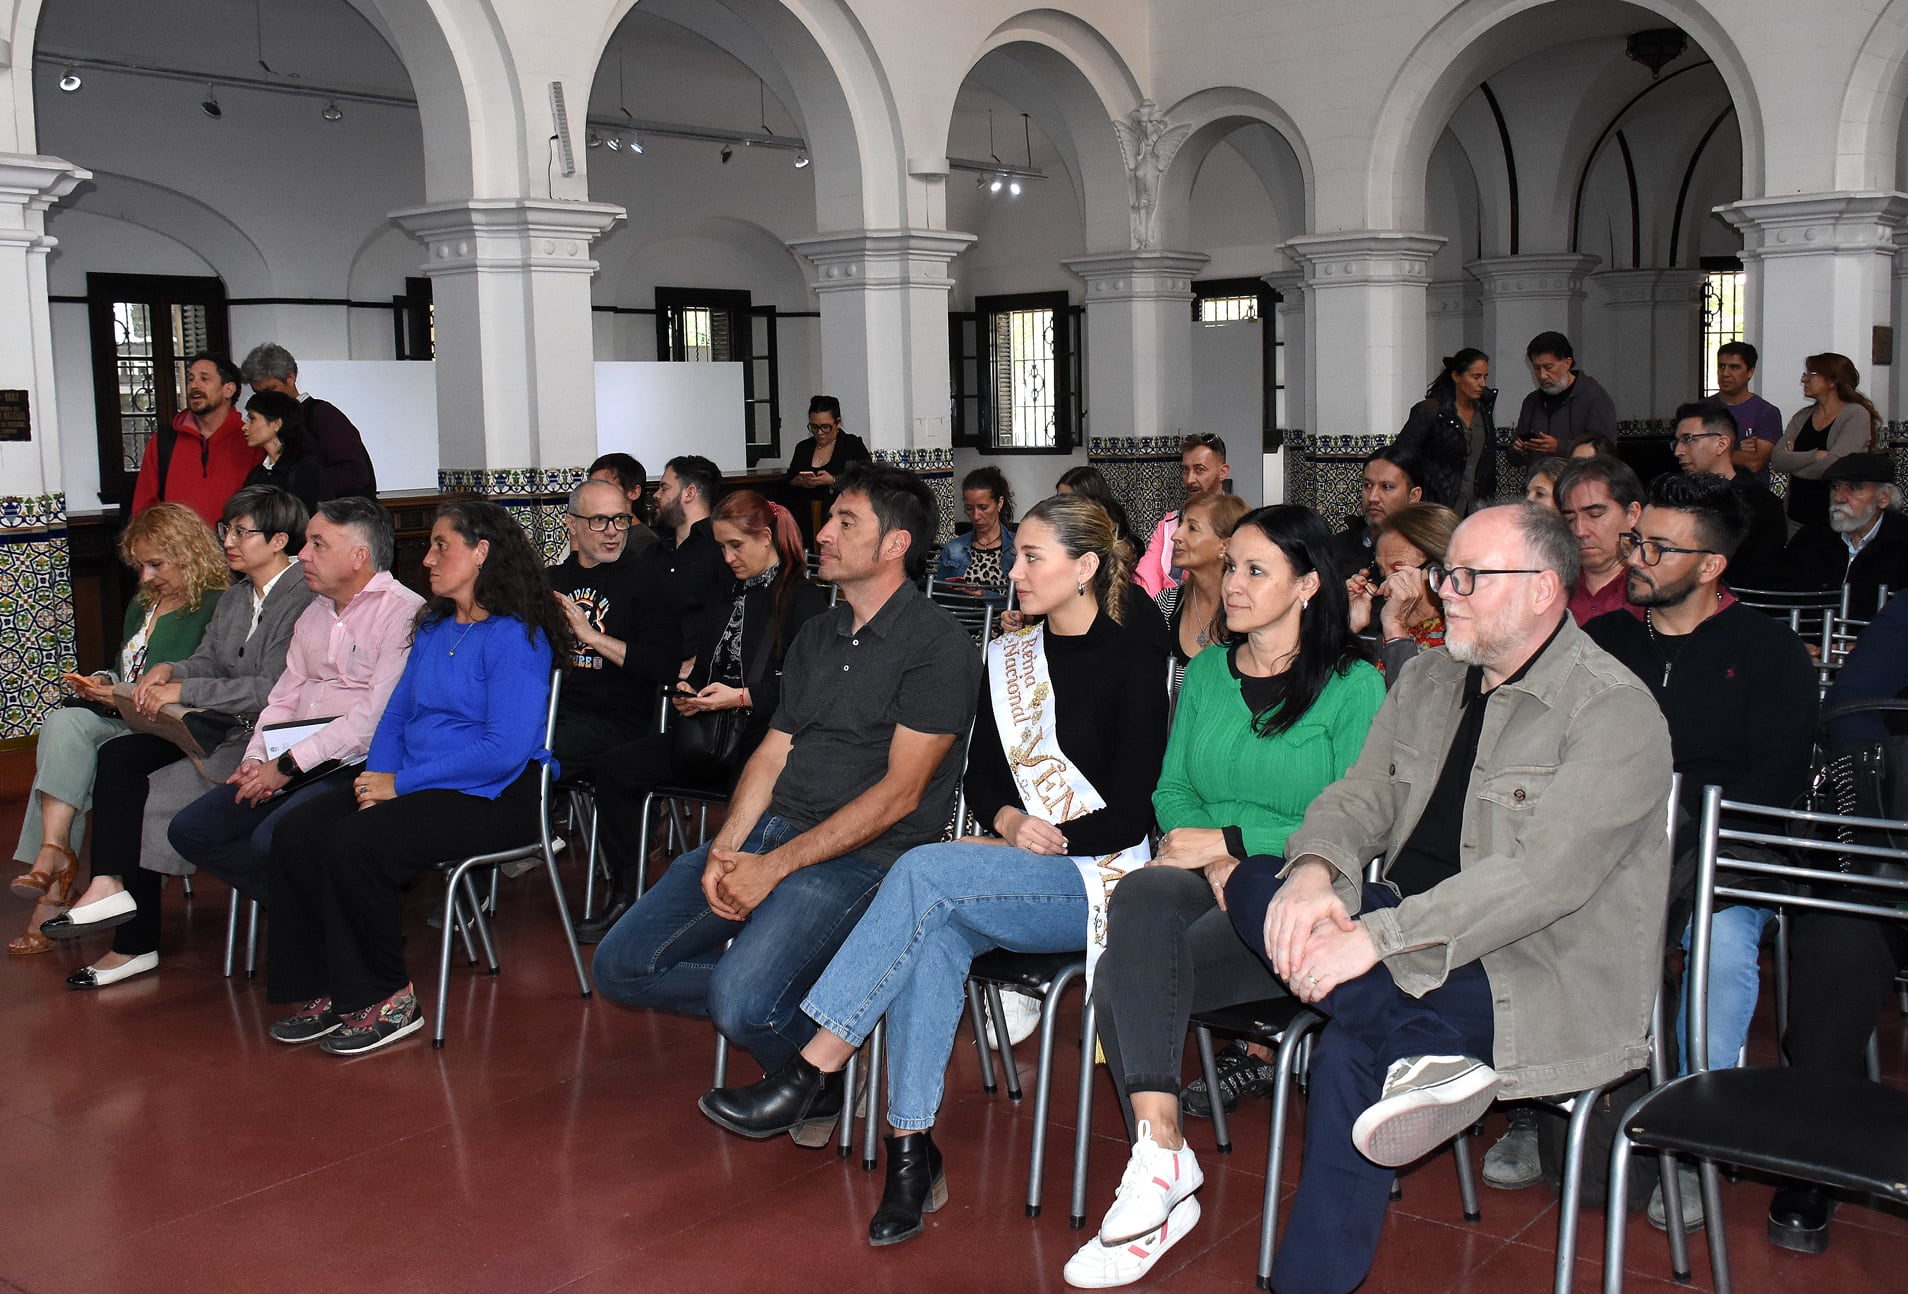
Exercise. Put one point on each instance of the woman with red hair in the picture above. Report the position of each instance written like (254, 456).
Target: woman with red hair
(737, 666)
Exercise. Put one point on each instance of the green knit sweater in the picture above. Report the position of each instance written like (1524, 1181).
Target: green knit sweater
(175, 635)
(1219, 773)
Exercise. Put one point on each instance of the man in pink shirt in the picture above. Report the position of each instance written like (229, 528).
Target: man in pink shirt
(1204, 470)
(1600, 498)
(347, 651)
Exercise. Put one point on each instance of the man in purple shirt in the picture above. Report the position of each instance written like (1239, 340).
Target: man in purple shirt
(347, 651)
(1759, 422)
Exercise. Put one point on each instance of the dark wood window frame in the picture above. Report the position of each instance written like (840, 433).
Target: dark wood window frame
(1269, 345)
(761, 390)
(971, 346)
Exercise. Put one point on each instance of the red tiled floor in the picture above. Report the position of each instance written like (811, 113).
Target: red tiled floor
(153, 1138)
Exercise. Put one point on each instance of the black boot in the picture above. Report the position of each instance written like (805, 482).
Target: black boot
(622, 898)
(794, 1096)
(1799, 1218)
(916, 1185)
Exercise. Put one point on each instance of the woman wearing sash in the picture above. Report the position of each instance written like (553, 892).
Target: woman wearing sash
(1262, 727)
(1067, 743)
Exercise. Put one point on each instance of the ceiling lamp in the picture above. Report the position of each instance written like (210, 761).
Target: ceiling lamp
(1657, 47)
(592, 140)
(210, 104)
(727, 153)
(636, 144)
(801, 161)
(614, 143)
(1013, 188)
(70, 80)
(332, 111)
(995, 186)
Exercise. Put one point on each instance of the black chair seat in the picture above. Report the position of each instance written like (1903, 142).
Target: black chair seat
(1839, 1131)
(1028, 970)
(1264, 1021)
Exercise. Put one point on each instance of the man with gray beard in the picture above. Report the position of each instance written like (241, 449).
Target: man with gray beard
(1864, 541)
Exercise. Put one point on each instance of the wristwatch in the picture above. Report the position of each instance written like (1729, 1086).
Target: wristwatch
(287, 766)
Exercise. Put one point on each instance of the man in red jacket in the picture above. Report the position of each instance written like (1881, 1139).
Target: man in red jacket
(202, 459)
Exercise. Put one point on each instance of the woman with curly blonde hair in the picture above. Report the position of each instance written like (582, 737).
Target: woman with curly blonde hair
(182, 572)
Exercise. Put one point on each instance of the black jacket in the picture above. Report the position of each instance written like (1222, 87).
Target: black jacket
(1436, 434)
(1817, 558)
(764, 645)
(1582, 406)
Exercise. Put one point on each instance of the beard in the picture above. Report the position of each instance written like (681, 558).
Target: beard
(1481, 640)
(1552, 388)
(670, 516)
(1844, 520)
(1645, 592)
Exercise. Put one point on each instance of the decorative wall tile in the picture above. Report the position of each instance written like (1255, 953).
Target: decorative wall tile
(535, 496)
(36, 610)
(936, 468)
(1143, 473)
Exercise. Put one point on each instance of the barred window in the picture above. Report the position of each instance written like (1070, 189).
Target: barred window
(1722, 314)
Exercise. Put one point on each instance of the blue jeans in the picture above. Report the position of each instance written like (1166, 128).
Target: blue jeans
(233, 841)
(1338, 1212)
(942, 906)
(669, 951)
(1735, 980)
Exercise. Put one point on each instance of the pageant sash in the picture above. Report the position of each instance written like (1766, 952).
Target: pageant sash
(1051, 785)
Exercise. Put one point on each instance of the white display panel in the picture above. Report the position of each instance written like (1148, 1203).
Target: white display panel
(656, 411)
(394, 405)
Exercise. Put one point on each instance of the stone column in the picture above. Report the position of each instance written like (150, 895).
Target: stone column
(516, 375)
(1139, 356)
(1820, 269)
(1653, 332)
(1454, 316)
(1523, 296)
(36, 587)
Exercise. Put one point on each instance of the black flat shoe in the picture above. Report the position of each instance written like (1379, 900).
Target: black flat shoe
(795, 1096)
(916, 1185)
(1799, 1218)
(593, 930)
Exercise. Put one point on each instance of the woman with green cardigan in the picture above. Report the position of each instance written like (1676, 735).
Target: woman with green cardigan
(1261, 728)
(182, 572)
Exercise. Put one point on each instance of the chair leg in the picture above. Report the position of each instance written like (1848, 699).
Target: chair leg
(1572, 1206)
(1008, 1069)
(231, 932)
(1713, 1225)
(642, 843)
(482, 923)
(869, 1143)
(981, 1049)
(589, 869)
(186, 886)
(251, 941)
(845, 1126)
(1083, 1120)
(563, 920)
(453, 920)
(721, 1077)
(1292, 1046)
(1781, 984)
(1466, 1176)
(1874, 1057)
(1210, 1068)
(1043, 1089)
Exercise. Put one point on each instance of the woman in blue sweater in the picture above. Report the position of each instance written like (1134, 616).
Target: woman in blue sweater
(452, 771)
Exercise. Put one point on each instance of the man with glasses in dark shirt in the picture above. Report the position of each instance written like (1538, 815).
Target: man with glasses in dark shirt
(1705, 441)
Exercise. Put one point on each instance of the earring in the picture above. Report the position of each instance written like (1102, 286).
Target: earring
(1081, 591)
(1303, 603)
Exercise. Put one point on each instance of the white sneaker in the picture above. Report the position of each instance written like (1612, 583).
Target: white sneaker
(1427, 1101)
(1156, 1181)
(1023, 1017)
(1101, 1266)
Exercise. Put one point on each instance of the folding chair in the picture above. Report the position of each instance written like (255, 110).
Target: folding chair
(1836, 1131)
(461, 906)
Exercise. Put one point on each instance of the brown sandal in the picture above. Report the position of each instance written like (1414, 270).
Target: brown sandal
(39, 885)
(29, 943)
(33, 941)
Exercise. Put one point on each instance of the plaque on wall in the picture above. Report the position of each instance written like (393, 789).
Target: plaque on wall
(16, 423)
(1883, 346)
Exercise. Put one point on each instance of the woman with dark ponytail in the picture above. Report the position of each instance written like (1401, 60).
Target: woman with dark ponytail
(1452, 429)
(1066, 746)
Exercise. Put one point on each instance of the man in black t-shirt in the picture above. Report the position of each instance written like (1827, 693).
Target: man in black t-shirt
(1705, 438)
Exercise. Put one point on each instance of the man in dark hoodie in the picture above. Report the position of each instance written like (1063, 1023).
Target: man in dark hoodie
(1565, 404)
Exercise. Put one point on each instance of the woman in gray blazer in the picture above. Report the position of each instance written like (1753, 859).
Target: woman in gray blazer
(144, 778)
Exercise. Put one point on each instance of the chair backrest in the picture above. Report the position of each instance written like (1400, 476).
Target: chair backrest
(1828, 869)
(544, 780)
(976, 615)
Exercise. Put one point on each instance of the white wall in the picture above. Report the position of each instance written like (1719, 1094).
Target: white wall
(1228, 398)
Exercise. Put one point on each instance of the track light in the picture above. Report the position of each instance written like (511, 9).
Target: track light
(995, 186)
(614, 143)
(592, 140)
(1013, 188)
(636, 144)
(332, 111)
(727, 153)
(801, 161)
(210, 104)
(70, 80)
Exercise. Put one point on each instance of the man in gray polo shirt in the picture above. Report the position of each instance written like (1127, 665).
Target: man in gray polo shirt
(859, 766)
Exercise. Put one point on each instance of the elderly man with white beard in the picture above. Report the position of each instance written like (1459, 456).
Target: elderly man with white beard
(1864, 541)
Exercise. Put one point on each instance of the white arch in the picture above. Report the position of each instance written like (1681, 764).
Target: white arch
(1215, 113)
(1872, 104)
(1475, 39)
(185, 219)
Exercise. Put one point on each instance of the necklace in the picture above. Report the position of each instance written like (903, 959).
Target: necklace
(460, 637)
(1204, 636)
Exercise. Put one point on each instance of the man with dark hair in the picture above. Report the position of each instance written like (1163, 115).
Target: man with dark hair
(335, 441)
(1566, 403)
(1600, 498)
(347, 650)
(628, 631)
(1758, 423)
(1862, 543)
(860, 764)
(1704, 441)
(1515, 782)
(688, 551)
(1738, 691)
(1392, 479)
(201, 459)
(1203, 470)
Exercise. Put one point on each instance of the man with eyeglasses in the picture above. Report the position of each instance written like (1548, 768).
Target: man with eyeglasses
(1515, 781)
(1202, 470)
(626, 472)
(1739, 693)
(627, 625)
(1705, 441)
(1566, 404)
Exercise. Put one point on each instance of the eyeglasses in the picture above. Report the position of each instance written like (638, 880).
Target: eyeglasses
(1198, 440)
(1806, 375)
(226, 528)
(1684, 442)
(824, 426)
(1463, 579)
(620, 521)
(1630, 542)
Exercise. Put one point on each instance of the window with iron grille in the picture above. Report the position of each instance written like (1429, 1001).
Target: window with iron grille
(1722, 311)
(1016, 374)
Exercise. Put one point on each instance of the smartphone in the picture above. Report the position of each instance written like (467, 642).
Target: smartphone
(79, 682)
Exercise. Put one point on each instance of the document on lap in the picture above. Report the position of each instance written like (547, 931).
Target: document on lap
(281, 737)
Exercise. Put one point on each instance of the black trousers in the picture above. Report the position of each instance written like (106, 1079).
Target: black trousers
(1170, 952)
(1841, 974)
(119, 807)
(339, 872)
(582, 739)
(623, 777)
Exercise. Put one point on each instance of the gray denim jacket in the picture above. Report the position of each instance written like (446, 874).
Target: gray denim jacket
(1564, 864)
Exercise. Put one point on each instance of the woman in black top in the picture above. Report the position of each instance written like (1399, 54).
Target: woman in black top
(741, 640)
(819, 461)
(1451, 431)
(275, 423)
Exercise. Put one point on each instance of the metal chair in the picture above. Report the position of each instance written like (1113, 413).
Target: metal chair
(251, 935)
(461, 906)
(1840, 1132)
(976, 615)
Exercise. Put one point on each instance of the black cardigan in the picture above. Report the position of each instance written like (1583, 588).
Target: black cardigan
(762, 648)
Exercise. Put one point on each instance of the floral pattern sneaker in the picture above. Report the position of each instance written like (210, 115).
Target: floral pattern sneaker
(378, 1025)
(309, 1023)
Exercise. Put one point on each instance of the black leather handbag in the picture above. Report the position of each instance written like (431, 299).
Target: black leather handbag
(708, 746)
